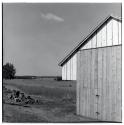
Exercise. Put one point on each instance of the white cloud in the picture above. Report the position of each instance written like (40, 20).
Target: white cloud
(50, 16)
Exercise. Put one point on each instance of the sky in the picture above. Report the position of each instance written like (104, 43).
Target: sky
(37, 36)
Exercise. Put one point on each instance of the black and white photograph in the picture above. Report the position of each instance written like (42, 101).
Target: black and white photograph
(61, 62)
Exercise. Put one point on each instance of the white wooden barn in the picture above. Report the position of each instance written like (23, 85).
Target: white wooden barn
(107, 33)
(96, 64)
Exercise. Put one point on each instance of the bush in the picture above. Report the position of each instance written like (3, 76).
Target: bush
(58, 78)
(9, 71)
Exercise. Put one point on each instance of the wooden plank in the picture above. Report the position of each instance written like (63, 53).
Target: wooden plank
(93, 57)
(100, 69)
(71, 69)
(119, 83)
(113, 85)
(89, 44)
(88, 68)
(89, 81)
(109, 33)
(83, 90)
(83, 83)
(103, 92)
(96, 80)
(67, 68)
(74, 66)
(92, 85)
(85, 69)
(115, 32)
(120, 32)
(66, 71)
(103, 30)
(62, 72)
(93, 43)
(78, 84)
(92, 100)
(99, 38)
(108, 87)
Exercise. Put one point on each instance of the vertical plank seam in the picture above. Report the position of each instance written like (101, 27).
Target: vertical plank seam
(102, 84)
(79, 57)
(118, 32)
(97, 82)
(96, 39)
(66, 72)
(106, 33)
(77, 90)
(70, 68)
(112, 32)
(116, 78)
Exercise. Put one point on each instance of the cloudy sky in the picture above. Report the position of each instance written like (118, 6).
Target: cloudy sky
(37, 36)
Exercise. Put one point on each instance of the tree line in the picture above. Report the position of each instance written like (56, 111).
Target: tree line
(8, 71)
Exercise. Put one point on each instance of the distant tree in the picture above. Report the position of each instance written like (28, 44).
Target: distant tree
(9, 71)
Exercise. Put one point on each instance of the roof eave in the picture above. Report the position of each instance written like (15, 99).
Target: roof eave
(86, 38)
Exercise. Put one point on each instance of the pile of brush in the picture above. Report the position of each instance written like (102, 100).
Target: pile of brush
(16, 97)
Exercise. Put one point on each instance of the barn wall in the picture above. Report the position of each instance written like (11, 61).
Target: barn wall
(99, 83)
(107, 35)
(69, 69)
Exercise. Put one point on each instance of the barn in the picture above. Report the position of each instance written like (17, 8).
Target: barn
(96, 64)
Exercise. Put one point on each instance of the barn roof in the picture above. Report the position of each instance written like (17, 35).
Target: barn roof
(82, 43)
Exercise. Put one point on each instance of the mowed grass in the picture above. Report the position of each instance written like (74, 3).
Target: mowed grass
(57, 97)
(46, 88)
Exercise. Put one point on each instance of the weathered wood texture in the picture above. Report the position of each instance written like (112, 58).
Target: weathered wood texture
(69, 70)
(99, 83)
(109, 34)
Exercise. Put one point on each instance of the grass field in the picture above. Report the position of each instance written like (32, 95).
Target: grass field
(58, 101)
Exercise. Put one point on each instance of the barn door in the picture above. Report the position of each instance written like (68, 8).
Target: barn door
(109, 83)
(87, 83)
(99, 83)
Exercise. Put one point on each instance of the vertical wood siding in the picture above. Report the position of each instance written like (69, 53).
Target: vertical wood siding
(104, 36)
(78, 85)
(93, 43)
(120, 32)
(99, 38)
(69, 69)
(115, 32)
(63, 72)
(107, 35)
(99, 83)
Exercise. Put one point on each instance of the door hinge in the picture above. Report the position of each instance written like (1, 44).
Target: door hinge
(97, 95)
(97, 113)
